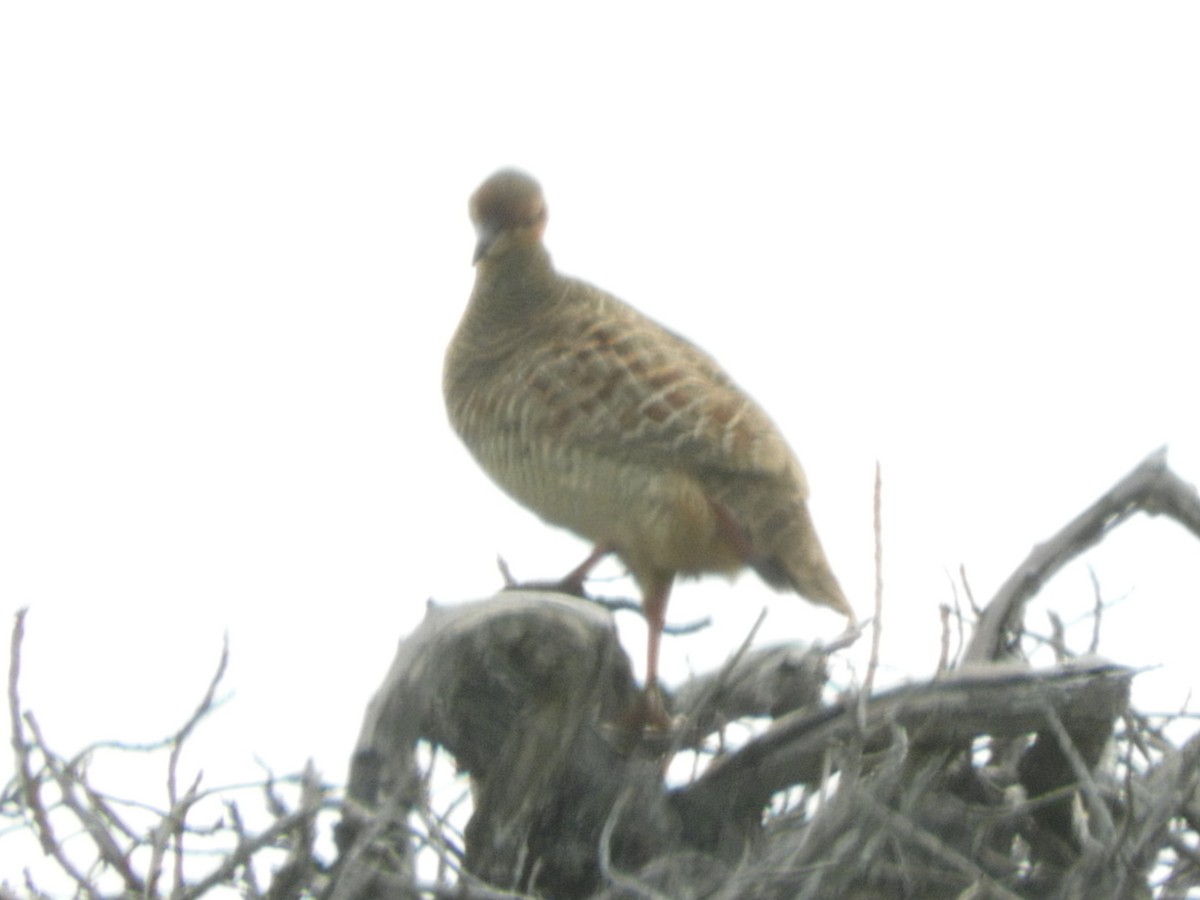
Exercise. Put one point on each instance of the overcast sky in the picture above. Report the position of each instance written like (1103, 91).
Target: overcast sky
(958, 239)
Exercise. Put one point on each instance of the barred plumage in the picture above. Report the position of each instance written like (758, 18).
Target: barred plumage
(604, 422)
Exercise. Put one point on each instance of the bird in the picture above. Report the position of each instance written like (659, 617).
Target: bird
(606, 423)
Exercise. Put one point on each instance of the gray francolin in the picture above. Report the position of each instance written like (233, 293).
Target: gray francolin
(604, 422)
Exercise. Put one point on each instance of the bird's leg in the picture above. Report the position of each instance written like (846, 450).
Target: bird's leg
(650, 711)
(571, 583)
(655, 606)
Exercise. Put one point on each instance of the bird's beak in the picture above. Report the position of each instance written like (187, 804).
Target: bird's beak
(486, 236)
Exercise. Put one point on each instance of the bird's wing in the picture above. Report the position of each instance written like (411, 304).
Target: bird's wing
(624, 386)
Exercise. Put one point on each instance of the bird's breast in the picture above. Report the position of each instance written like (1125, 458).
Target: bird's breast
(656, 517)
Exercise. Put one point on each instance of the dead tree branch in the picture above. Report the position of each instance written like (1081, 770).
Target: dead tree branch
(991, 780)
(1151, 488)
(532, 686)
(54, 797)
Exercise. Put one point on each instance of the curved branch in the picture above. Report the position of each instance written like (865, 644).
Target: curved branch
(1151, 488)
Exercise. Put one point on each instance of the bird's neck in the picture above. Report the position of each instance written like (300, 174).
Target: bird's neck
(514, 290)
(513, 295)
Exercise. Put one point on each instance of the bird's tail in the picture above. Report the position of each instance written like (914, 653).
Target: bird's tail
(800, 564)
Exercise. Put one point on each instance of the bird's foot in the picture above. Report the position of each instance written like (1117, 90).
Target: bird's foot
(645, 729)
(570, 586)
(649, 724)
(649, 711)
(571, 583)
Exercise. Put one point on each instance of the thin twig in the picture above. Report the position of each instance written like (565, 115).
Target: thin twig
(1097, 610)
(30, 786)
(956, 610)
(244, 851)
(181, 806)
(944, 655)
(1097, 810)
(700, 708)
(877, 619)
(505, 572)
(626, 883)
(934, 845)
(1058, 638)
(67, 780)
(962, 575)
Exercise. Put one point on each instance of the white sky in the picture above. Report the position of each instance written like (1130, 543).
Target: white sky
(961, 240)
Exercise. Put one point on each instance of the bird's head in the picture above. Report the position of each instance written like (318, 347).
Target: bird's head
(508, 211)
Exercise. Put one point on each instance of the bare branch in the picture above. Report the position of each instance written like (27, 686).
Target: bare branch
(31, 786)
(1151, 488)
(877, 619)
(117, 844)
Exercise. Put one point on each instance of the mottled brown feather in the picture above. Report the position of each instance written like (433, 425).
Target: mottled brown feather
(603, 421)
